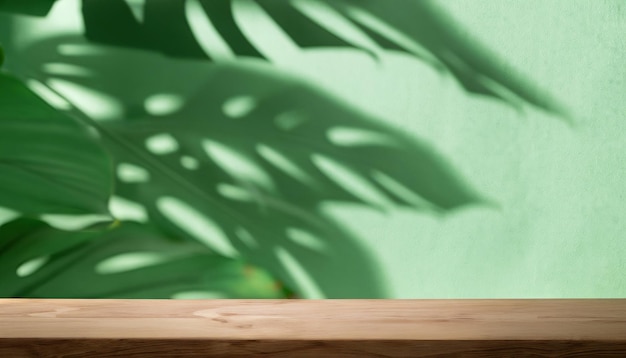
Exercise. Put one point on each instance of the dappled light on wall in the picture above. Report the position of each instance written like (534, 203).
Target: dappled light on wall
(205, 154)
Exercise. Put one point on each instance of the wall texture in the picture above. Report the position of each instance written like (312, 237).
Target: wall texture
(561, 227)
(559, 223)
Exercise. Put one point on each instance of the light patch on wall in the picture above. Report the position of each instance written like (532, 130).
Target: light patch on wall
(31, 266)
(74, 222)
(205, 33)
(124, 209)
(387, 31)
(402, 191)
(334, 22)
(162, 104)
(7, 215)
(137, 9)
(66, 69)
(306, 239)
(63, 19)
(129, 261)
(197, 225)
(130, 173)
(81, 50)
(237, 165)
(290, 120)
(309, 287)
(346, 136)
(163, 143)
(264, 34)
(188, 162)
(95, 104)
(234, 192)
(238, 107)
(48, 95)
(283, 163)
(247, 238)
(350, 181)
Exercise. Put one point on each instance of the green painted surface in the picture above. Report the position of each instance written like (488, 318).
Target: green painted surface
(562, 227)
(559, 225)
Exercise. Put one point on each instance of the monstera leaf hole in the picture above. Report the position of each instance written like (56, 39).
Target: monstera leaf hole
(285, 164)
(95, 104)
(351, 181)
(334, 22)
(31, 266)
(345, 136)
(127, 210)
(7, 214)
(234, 192)
(205, 33)
(162, 104)
(198, 225)
(82, 49)
(290, 120)
(306, 284)
(238, 107)
(307, 239)
(48, 95)
(129, 261)
(74, 222)
(131, 173)
(237, 165)
(66, 69)
(189, 163)
(162, 143)
(247, 238)
(401, 191)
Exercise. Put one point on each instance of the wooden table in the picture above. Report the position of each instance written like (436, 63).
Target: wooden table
(312, 328)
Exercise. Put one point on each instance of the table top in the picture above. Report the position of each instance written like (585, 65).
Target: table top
(508, 319)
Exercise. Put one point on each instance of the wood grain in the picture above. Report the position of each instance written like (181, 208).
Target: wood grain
(312, 328)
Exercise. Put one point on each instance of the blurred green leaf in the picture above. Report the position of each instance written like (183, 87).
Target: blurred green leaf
(129, 261)
(283, 129)
(50, 163)
(27, 7)
(255, 179)
(243, 159)
(256, 154)
(416, 27)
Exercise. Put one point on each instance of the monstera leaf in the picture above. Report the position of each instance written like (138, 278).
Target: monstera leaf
(252, 155)
(259, 154)
(276, 137)
(50, 163)
(130, 261)
(237, 160)
(416, 27)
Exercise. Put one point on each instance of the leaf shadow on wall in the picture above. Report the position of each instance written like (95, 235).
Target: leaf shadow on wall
(242, 157)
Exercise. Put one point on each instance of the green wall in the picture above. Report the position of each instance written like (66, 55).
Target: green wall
(561, 228)
(557, 229)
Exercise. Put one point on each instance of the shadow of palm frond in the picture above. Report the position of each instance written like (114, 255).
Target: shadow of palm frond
(250, 156)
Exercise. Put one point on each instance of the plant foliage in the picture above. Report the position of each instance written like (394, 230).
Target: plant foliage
(224, 165)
